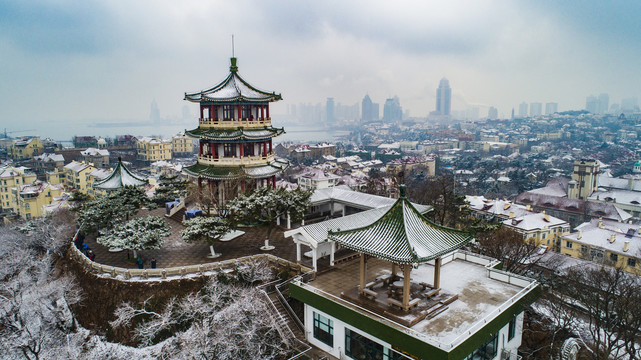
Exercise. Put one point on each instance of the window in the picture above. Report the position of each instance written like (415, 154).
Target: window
(584, 249)
(324, 329)
(614, 257)
(229, 150)
(632, 262)
(486, 351)
(568, 244)
(358, 346)
(228, 112)
(511, 329)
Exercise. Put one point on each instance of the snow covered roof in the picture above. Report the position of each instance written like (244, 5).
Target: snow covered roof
(609, 235)
(50, 157)
(234, 172)
(232, 89)
(77, 166)
(536, 221)
(120, 177)
(501, 208)
(95, 152)
(401, 235)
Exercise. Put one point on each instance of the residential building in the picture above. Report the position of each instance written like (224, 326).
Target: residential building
(25, 148)
(32, 198)
(182, 145)
(536, 109)
(392, 110)
(85, 141)
(584, 179)
(97, 157)
(551, 108)
(153, 149)
(317, 179)
(425, 165)
(12, 178)
(523, 107)
(605, 241)
(45, 163)
(77, 176)
(540, 228)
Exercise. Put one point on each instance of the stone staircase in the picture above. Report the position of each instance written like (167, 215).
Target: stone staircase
(289, 322)
(179, 215)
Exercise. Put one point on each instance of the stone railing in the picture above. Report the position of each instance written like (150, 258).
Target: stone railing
(245, 123)
(244, 160)
(180, 271)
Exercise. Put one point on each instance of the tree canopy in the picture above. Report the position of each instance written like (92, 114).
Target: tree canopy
(116, 206)
(137, 234)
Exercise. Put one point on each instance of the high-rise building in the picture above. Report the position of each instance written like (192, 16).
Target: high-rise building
(592, 104)
(536, 109)
(392, 111)
(330, 111)
(154, 113)
(493, 113)
(523, 109)
(367, 110)
(551, 108)
(235, 138)
(444, 97)
(604, 103)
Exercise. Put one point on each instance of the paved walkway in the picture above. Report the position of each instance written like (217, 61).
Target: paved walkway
(176, 252)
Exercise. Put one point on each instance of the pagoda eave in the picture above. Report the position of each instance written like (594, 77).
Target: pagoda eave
(235, 134)
(229, 173)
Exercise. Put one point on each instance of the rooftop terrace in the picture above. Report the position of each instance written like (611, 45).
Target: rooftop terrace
(472, 293)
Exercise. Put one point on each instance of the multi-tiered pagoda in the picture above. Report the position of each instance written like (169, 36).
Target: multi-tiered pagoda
(235, 134)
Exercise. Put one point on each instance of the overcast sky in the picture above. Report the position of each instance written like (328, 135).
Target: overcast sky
(77, 60)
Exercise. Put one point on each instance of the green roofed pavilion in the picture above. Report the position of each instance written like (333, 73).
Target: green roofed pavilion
(120, 177)
(403, 237)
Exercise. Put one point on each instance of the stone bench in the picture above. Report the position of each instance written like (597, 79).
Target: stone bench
(369, 292)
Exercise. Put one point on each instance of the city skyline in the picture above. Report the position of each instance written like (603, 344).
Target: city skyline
(106, 61)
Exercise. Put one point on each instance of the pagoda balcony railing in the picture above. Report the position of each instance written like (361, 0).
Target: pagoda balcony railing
(227, 161)
(246, 123)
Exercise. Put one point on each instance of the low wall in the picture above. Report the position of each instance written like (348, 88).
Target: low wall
(163, 273)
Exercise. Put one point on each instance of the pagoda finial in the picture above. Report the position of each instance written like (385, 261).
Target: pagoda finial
(233, 68)
(402, 189)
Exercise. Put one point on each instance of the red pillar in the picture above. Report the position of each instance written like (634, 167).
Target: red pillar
(215, 152)
(242, 186)
(265, 148)
(239, 114)
(274, 181)
(211, 112)
(201, 111)
(270, 146)
(267, 109)
(201, 148)
(241, 149)
(262, 113)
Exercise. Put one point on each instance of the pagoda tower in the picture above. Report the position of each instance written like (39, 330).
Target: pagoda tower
(235, 136)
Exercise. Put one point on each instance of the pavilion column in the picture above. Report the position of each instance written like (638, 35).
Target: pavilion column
(314, 259)
(241, 149)
(270, 146)
(239, 113)
(211, 112)
(393, 271)
(298, 252)
(265, 149)
(215, 152)
(363, 271)
(262, 113)
(406, 286)
(289, 221)
(274, 181)
(201, 112)
(437, 272)
(267, 110)
(201, 148)
(331, 254)
(242, 185)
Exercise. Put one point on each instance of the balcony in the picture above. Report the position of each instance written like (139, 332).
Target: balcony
(224, 124)
(235, 161)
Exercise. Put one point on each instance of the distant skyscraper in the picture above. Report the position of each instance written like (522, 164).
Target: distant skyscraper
(493, 113)
(330, 111)
(392, 110)
(604, 103)
(592, 104)
(154, 113)
(536, 109)
(523, 109)
(367, 109)
(444, 97)
(551, 108)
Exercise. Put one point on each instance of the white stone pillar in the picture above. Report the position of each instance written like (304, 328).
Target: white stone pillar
(343, 210)
(331, 254)
(298, 251)
(289, 221)
(314, 258)
(278, 221)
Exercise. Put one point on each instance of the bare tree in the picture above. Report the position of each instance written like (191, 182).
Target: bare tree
(516, 254)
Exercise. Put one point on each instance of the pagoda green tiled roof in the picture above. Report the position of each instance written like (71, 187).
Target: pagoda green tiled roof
(237, 133)
(236, 172)
(120, 177)
(232, 89)
(402, 235)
